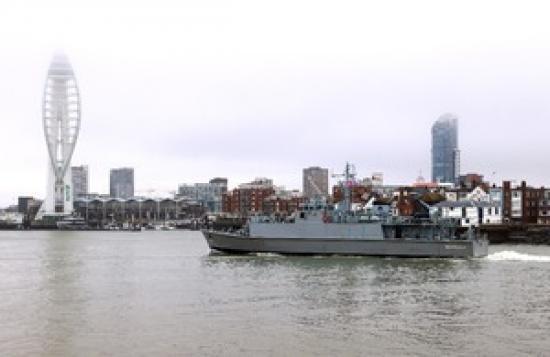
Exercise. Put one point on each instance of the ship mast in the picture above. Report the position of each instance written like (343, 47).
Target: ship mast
(346, 185)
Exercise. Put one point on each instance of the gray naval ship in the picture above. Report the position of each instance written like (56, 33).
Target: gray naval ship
(322, 229)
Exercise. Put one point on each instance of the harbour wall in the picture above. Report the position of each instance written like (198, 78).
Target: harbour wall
(517, 233)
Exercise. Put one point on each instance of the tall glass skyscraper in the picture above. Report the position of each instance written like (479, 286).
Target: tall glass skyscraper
(61, 122)
(445, 152)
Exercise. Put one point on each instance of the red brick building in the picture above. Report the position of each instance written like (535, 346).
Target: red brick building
(521, 204)
(282, 205)
(544, 208)
(248, 198)
(471, 181)
(359, 194)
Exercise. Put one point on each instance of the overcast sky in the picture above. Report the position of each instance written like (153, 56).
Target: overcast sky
(187, 90)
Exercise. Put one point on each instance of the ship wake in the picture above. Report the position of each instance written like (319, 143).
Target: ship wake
(510, 255)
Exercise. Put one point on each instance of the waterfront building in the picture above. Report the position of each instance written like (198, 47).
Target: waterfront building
(470, 212)
(544, 207)
(248, 197)
(11, 220)
(80, 179)
(61, 122)
(315, 182)
(478, 194)
(445, 152)
(121, 182)
(282, 203)
(24, 203)
(101, 211)
(416, 201)
(407, 204)
(495, 194)
(208, 195)
(521, 204)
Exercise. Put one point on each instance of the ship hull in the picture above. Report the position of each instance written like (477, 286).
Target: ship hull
(233, 243)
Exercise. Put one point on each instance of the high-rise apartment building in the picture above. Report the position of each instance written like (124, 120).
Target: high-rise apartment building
(79, 175)
(445, 152)
(121, 182)
(315, 182)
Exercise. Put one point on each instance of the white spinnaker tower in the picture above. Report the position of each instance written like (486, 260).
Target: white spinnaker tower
(61, 120)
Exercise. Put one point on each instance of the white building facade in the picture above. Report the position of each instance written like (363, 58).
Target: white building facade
(471, 213)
